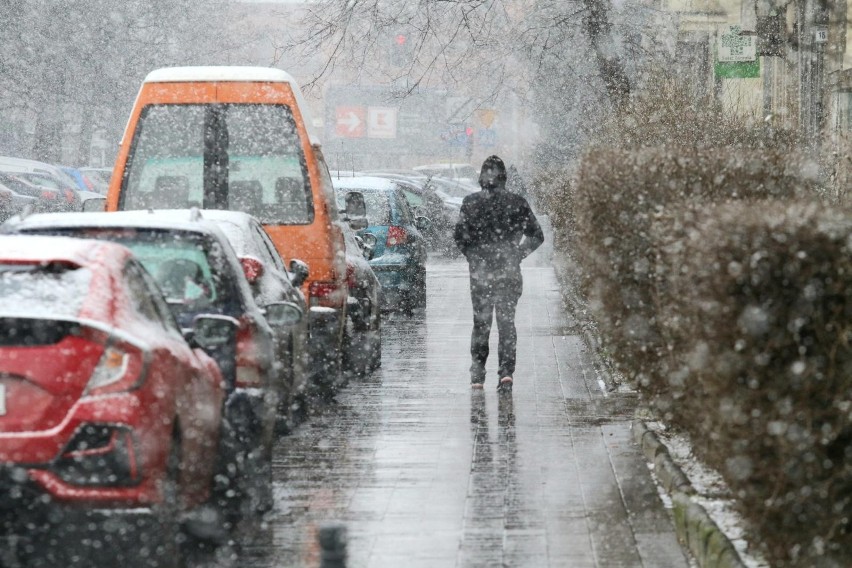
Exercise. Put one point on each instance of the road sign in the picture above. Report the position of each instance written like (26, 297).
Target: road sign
(459, 109)
(486, 116)
(821, 34)
(381, 122)
(735, 45)
(487, 137)
(351, 121)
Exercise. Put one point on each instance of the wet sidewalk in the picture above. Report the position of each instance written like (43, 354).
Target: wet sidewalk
(425, 472)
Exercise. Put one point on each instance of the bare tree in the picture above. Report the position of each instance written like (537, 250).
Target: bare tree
(81, 62)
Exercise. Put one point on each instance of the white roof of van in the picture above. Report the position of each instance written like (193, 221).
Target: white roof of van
(224, 73)
(219, 73)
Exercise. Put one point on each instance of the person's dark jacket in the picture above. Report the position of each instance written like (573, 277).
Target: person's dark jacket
(496, 230)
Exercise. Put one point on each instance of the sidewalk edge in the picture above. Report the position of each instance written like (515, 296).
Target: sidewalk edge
(695, 530)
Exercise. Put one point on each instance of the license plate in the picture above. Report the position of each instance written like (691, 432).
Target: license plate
(2, 400)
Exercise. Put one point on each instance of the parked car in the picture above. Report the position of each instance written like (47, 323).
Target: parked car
(399, 252)
(81, 179)
(253, 120)
(46, 199)
(199, 273)
(44, 175)
(12, 203)
(428, 201)
(107, 412)
(363, 347)
(99, 178)
(464, 173)
(271, 282)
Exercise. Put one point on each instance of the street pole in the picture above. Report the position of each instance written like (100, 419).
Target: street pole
(813, 20)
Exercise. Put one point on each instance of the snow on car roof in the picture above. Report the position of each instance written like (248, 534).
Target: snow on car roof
(364, 182)
(173, 219)
(236, 73)
(219, 73)
(240, 217)
(35, 248)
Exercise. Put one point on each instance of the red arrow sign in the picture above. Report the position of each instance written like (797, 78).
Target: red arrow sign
(351, 122)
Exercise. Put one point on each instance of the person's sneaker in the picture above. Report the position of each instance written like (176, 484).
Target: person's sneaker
(505, 385)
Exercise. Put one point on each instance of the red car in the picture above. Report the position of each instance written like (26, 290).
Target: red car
(103, 402)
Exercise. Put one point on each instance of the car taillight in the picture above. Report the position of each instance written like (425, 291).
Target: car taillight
(119, 369)
(69, 196)
(326, 294)
(48, 194)
(249, 364)
(396, 236)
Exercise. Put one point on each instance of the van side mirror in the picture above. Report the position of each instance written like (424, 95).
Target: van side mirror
(299, 272)
(94, 205)
(356, 210)
(368, 242)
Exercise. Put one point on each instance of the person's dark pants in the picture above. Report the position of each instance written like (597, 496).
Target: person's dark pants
(489, 296)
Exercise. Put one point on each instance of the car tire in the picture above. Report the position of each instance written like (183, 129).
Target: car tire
(376, 350)
(418, 294)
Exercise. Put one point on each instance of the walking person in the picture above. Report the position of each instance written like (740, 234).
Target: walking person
(496, 230)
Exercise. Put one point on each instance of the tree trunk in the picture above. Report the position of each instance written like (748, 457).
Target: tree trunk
(597, 28)
(47, 145)
(87, 129)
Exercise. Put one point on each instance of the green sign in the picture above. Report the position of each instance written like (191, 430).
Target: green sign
(738, 69)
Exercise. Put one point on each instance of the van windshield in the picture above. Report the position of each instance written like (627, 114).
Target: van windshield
(240, 157)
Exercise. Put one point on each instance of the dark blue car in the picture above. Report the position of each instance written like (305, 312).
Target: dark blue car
(399, 253)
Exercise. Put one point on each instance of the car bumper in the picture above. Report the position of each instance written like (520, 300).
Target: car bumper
(397, 278)
(135, 452)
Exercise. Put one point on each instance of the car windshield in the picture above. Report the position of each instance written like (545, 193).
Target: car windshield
(242, 157)
(43, 290)
(377, 202)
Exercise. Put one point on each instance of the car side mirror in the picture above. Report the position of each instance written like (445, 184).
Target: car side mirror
(368, 245)
(356, 210)
(422, 223)
(283, 314)
(94, 205)
(211, 332)
(299, 272)
(252, 268)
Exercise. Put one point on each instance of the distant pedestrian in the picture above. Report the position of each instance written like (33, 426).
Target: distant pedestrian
(496, 230)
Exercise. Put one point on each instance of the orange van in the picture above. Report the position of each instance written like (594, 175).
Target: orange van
(239, 138)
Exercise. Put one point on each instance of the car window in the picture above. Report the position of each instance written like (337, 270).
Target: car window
(326, 184)
(265, 172)
(403, 209)
(53, 289)
(267, 250)
(152, 289)
(377, 202)
(42, 180)
(139, 294)
(413, 199)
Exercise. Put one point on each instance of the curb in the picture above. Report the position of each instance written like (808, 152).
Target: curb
(696, 531)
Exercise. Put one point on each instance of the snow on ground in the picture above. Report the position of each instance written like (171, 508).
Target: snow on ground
(712, 493)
